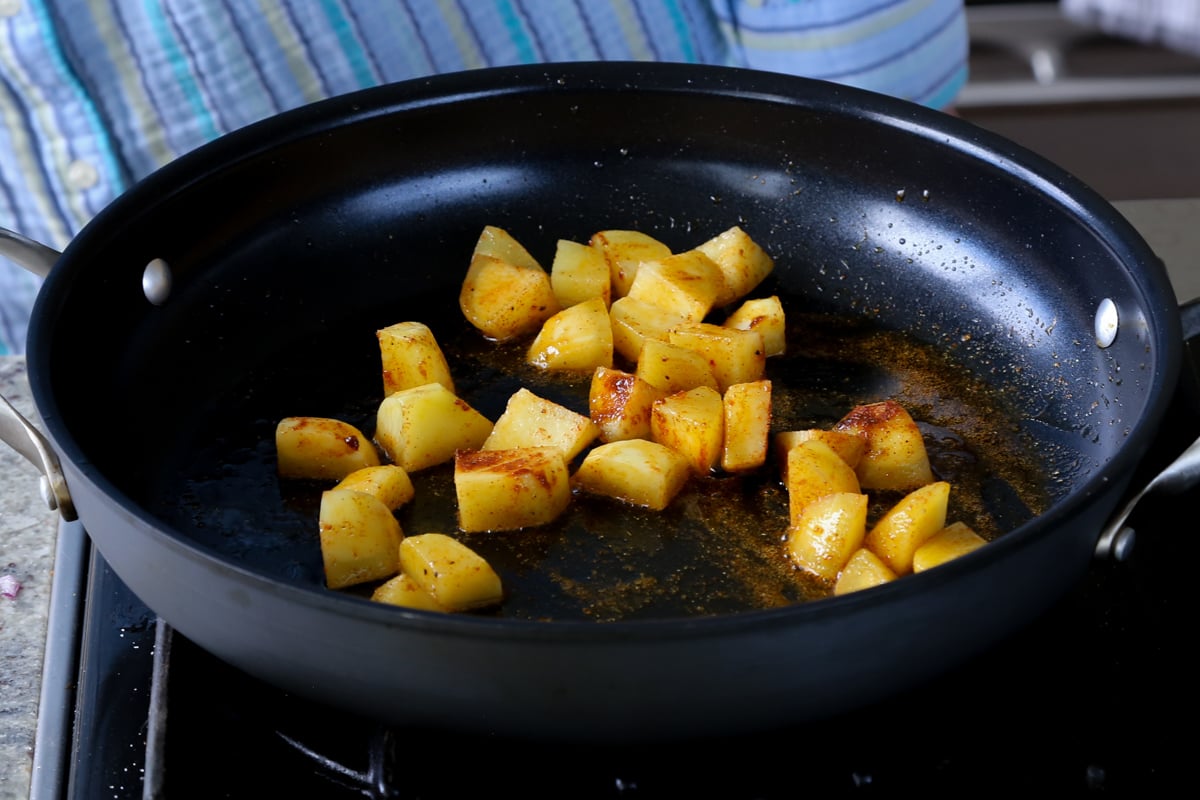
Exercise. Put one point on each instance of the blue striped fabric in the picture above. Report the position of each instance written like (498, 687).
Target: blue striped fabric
(95, 94)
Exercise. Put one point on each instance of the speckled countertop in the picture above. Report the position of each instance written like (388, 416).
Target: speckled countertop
(28, 529)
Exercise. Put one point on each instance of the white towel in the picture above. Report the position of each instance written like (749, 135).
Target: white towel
(1170, 23)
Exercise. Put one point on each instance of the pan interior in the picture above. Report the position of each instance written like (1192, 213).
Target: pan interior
(912, 265)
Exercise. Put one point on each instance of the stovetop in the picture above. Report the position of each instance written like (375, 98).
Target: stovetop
(1094, 698)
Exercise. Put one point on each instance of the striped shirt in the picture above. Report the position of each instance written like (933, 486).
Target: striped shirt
(95, 94)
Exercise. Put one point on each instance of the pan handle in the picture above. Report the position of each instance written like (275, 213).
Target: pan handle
(33, 256)
(19, 433)
(1116, 539)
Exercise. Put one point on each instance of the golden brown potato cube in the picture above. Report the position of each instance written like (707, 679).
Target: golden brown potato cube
(454, 575)
(620, 404)
(895, 459)
(532, 421)
(686, 284)
(579, 272)
(950, 542)
(505, 293)
(633, 322)
(735, 356)
(578, 338)
(411, 356)
(425, 425)
(321, 448)
(389, 482)
(402, 590)
(862, 571)
(765, 315)
(850, 446)
(502, 490)
(827, 532)
(360, 538)
(744, 264)
(691, 423)
(623, 251)
(634, 471)
(814, 469)
(909, 524)
(673, 368)
(747, 425)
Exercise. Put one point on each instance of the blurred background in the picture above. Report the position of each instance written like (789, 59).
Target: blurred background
(1107, 89)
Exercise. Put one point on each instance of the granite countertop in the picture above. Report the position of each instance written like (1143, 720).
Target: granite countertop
(28, 529)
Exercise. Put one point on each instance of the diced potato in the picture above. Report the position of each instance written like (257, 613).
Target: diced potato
(735, 356)
(501, 490)
(814, 469)
(950, 542)
(673, 368)
(634, 321)
(634, 471)
(896, 458)
(743, 263)
(620, 404)
(691, 423)
(850, 446)
(765, 315)
(578, 338)
(747, 425)
(862, 571)
(579, 272)
(909, 524)
(411, 356)
(360, 538)
(623, 251)
(389, 482)
(532, 421)
(686, 283)
(827, 532)
(425, 425)
(454, 575)
(321, 448)
(505, 293)
(402, 590)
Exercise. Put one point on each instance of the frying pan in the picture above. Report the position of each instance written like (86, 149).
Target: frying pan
(288, 243)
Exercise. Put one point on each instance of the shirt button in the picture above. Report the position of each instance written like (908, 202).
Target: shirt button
(10, 8)
(80, 174)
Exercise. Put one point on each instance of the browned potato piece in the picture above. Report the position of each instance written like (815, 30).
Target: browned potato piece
(620, 404)
(424, 425)
(686, 284)
(862, 571)
(896, 459)
(624, 251)
(950, 542)
(320, 448)
(909, 524)
(579, 272)
(634, 321)
(735, 356)
(691, 423)
(747, 425)
(634, 471)
(505, 293)
(578, 338)
(765, 315)
(674, 368)
(743, 263)
(360, 538)
(850, 446)
(411, 356)
(402, 590)
(827, 532)
(454, 575)
(504, 490)
(815, 470)
(532, 421)
(389, 482)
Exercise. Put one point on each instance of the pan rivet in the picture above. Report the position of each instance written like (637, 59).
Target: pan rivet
(156, 281)
(1106, 323)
